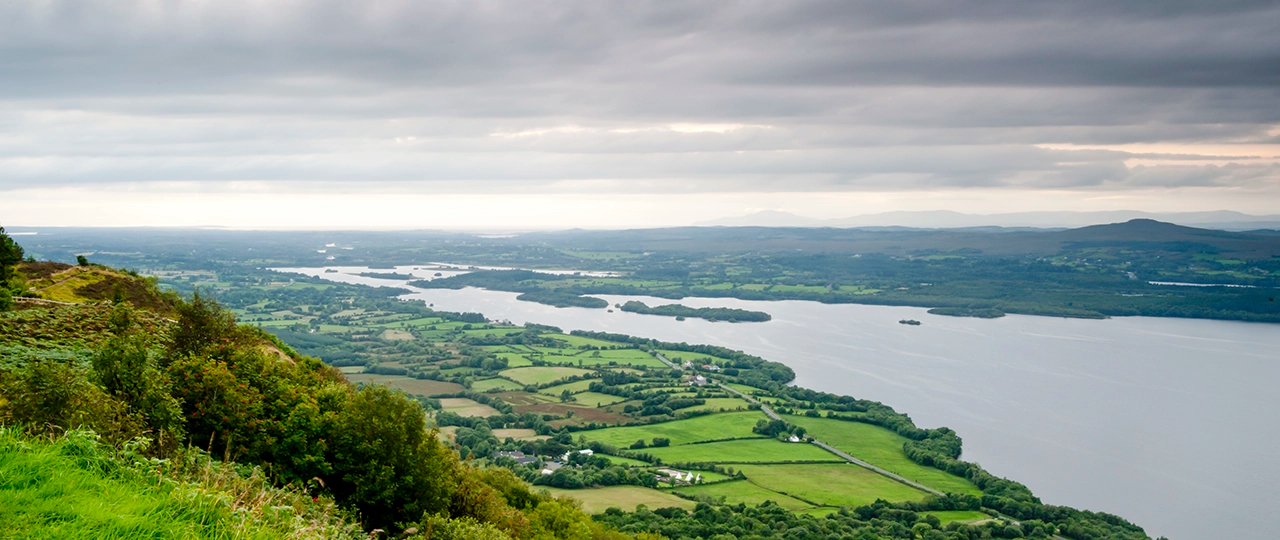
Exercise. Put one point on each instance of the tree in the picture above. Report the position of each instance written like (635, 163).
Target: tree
(82, 260)
(10, 256)
(203, 327)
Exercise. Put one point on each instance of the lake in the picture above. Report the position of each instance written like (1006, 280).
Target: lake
(1170, 423)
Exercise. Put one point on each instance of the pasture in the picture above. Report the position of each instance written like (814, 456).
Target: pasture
(595, 501)
(573, 388)
(542, 375)
(836, 484)
(741, 451)
(466, 407)
(742, 491)
(486, 385)
(882, 448)
(596, 399)
(962, 516)
(702, 428)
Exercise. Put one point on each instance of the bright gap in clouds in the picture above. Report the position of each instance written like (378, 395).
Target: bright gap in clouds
(256, 209)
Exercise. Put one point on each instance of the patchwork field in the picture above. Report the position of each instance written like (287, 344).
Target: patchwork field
(742, 451)
(518, 434)
(495, 384)
(830, 484)
(573, 388)
(595, 501)
(882, 448)
(702, 428)
(467, 407)
(742, 491)
(596, 399)
(542, 375)
(962, 516)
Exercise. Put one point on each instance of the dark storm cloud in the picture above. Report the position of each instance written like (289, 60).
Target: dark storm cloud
(682, 95)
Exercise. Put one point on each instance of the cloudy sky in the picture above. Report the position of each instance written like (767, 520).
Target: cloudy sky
(527, 114)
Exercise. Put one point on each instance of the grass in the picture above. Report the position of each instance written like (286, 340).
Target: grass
(682, 356)
(742, 451)
(742, 491)
(542, 375)
(616, 460)
(595, 501)
(578, 341)
(73, 489)
(882, 448)
(963, 516)
(830, 484)
(467, 407)
(715, 404)
(573, 388)
(519, 434)
(596, 399)
(496, 383)
(819, 512)
(702, 428)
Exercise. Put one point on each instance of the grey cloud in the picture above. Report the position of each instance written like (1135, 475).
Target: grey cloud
(834, 95)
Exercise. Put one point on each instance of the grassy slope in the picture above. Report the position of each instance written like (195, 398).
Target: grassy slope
(71, 489)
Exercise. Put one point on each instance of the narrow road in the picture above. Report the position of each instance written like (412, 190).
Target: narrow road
(664, 360)
(769, 412)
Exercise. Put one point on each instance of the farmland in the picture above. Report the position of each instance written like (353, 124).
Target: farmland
(598, 500)
(839, 484)
(702, 428)
(742, 451)
(882, 448)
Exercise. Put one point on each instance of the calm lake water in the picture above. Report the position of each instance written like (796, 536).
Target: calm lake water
(1170, 423)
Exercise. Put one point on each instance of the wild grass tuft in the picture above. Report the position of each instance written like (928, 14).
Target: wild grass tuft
(75, 487)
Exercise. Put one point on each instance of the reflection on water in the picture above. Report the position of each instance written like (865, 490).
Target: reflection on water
(1167, 422)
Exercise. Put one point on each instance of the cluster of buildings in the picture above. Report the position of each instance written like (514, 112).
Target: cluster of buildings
(548, 467)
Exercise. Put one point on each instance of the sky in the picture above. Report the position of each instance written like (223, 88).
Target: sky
(529, 114)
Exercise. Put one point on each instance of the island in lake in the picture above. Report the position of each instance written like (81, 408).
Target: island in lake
(680, 311)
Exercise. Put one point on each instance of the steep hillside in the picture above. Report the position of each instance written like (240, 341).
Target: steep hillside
(67, 283)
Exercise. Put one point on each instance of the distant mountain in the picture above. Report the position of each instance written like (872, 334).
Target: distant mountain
(1135, 234)
(945, 219)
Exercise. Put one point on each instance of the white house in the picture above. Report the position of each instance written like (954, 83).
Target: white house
(587, 452)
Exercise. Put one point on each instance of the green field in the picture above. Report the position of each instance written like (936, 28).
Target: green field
(486, 385)
(830, 484)
(963, 516)
(742, 491)
(573, 388)
(542, 375)
(625, 461)
(596, 399)
(595, 501)
(742, 451)
(696, 358)
(821, 511)
(703, 428)
(466, 407)
(882, 448)
(715, 404)
(576, 341)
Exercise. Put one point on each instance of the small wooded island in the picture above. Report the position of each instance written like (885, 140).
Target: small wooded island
(710, 314)
(911, 322)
